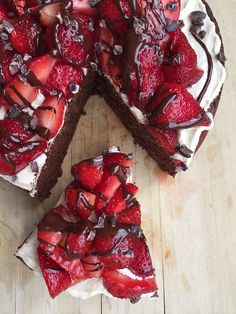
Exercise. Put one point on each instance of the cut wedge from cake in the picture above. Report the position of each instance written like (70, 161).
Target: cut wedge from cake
(91, 242)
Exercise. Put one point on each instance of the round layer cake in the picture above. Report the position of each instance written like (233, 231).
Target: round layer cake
(158, 64)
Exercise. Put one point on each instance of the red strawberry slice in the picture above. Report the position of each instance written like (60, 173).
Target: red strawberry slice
(56, 278)
(18, 5)
(25, 37)
(88, 172)
(65, 77)
(185, 77)
(114, 159)
(80, 202)
(13, 133)
(116, 15)
(171, 10)
(167, 139)
(85, 7)
(74, 39)
(64, 213)
(78, 243)
(48, 14)
(92, 266)
(50, 116)
(141, 265)
(14, 160)
(106, 189)
(121, 286)
(42, 67)
(121, 199)
(49, 237)
(174, 107)
(131, 215)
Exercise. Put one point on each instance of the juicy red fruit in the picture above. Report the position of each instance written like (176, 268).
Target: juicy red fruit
(166, 138)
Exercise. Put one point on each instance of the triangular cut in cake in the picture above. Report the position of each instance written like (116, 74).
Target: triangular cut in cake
(91, 242)
(159, 65)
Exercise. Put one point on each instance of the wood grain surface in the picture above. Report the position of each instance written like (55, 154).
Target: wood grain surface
(190, 221)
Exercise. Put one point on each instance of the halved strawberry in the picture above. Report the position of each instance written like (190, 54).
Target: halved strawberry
(131, 215)
(120, 200)
(114, 159)
(121, 286)
(42, 67)
(56, 278)
(48, 14)
(80, 202)
(50, 116)
(92, 266)
(74, 39)
(166, 138)
(65, 77)
(174, 107)
(49, 237)
(13, 133)
(141, 264)
(14, 160)
(25, 37)
(78, 243)
(82, 6)
(88, 172)
(18, 5)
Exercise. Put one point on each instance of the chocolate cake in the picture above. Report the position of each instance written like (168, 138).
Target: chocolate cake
(158, 64)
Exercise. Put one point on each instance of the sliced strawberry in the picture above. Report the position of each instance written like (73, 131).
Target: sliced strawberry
(171, 10)
(92, 266)
(50, 116)
(74, 39)
(121, 286)
(6, 59)
(14, 160)
(42, 67)
(78, 243)
(141, 265)
(83, 6)
(49, 237)
(80, 202)
(65, 77)
(185, 77)
(174, 107)
(167, 139)
(48, 14)
(13, 133)
(120, 200)
(65, 213)
(4, 10)
(88, 172)
(25, 37)
(18, 5)
(131, 215)
(116, 14)
(114, 159)
(56, 278)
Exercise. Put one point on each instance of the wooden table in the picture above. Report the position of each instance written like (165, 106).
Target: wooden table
(190, 221)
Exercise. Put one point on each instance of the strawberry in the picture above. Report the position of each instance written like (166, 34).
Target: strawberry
(171, 10)
(6, 59)
(120, 200)
(64, 213)
(121, 286)
(18, 5)
(114, 159)
(92, 266)
(25, 37)
(141, 264)
(88, 172)
(56, 278)
(83, 6)
(174, 107)
(42, 67)
(74, 38)
(48, 14)
(4, 10)
(14, 160)
(65, 77)
(50, 116)
(13, 133)
(79, 202)
(131, 215)
(49, 237)
(78, 243)
(167, 139)
(116, 14)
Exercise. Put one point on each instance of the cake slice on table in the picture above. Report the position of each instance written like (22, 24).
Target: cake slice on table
(158, 64)
(91, 242)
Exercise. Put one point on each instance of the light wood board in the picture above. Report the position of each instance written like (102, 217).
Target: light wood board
(190, 221)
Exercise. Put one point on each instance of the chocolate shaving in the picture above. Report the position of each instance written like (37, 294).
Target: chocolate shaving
(185, 151)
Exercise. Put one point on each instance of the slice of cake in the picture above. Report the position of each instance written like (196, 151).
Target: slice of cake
(91, 242)
(158, 64)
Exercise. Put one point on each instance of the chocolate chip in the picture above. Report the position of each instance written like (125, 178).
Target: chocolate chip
(185, 151)
(198, 22)
(198, 15)
(202, 34)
